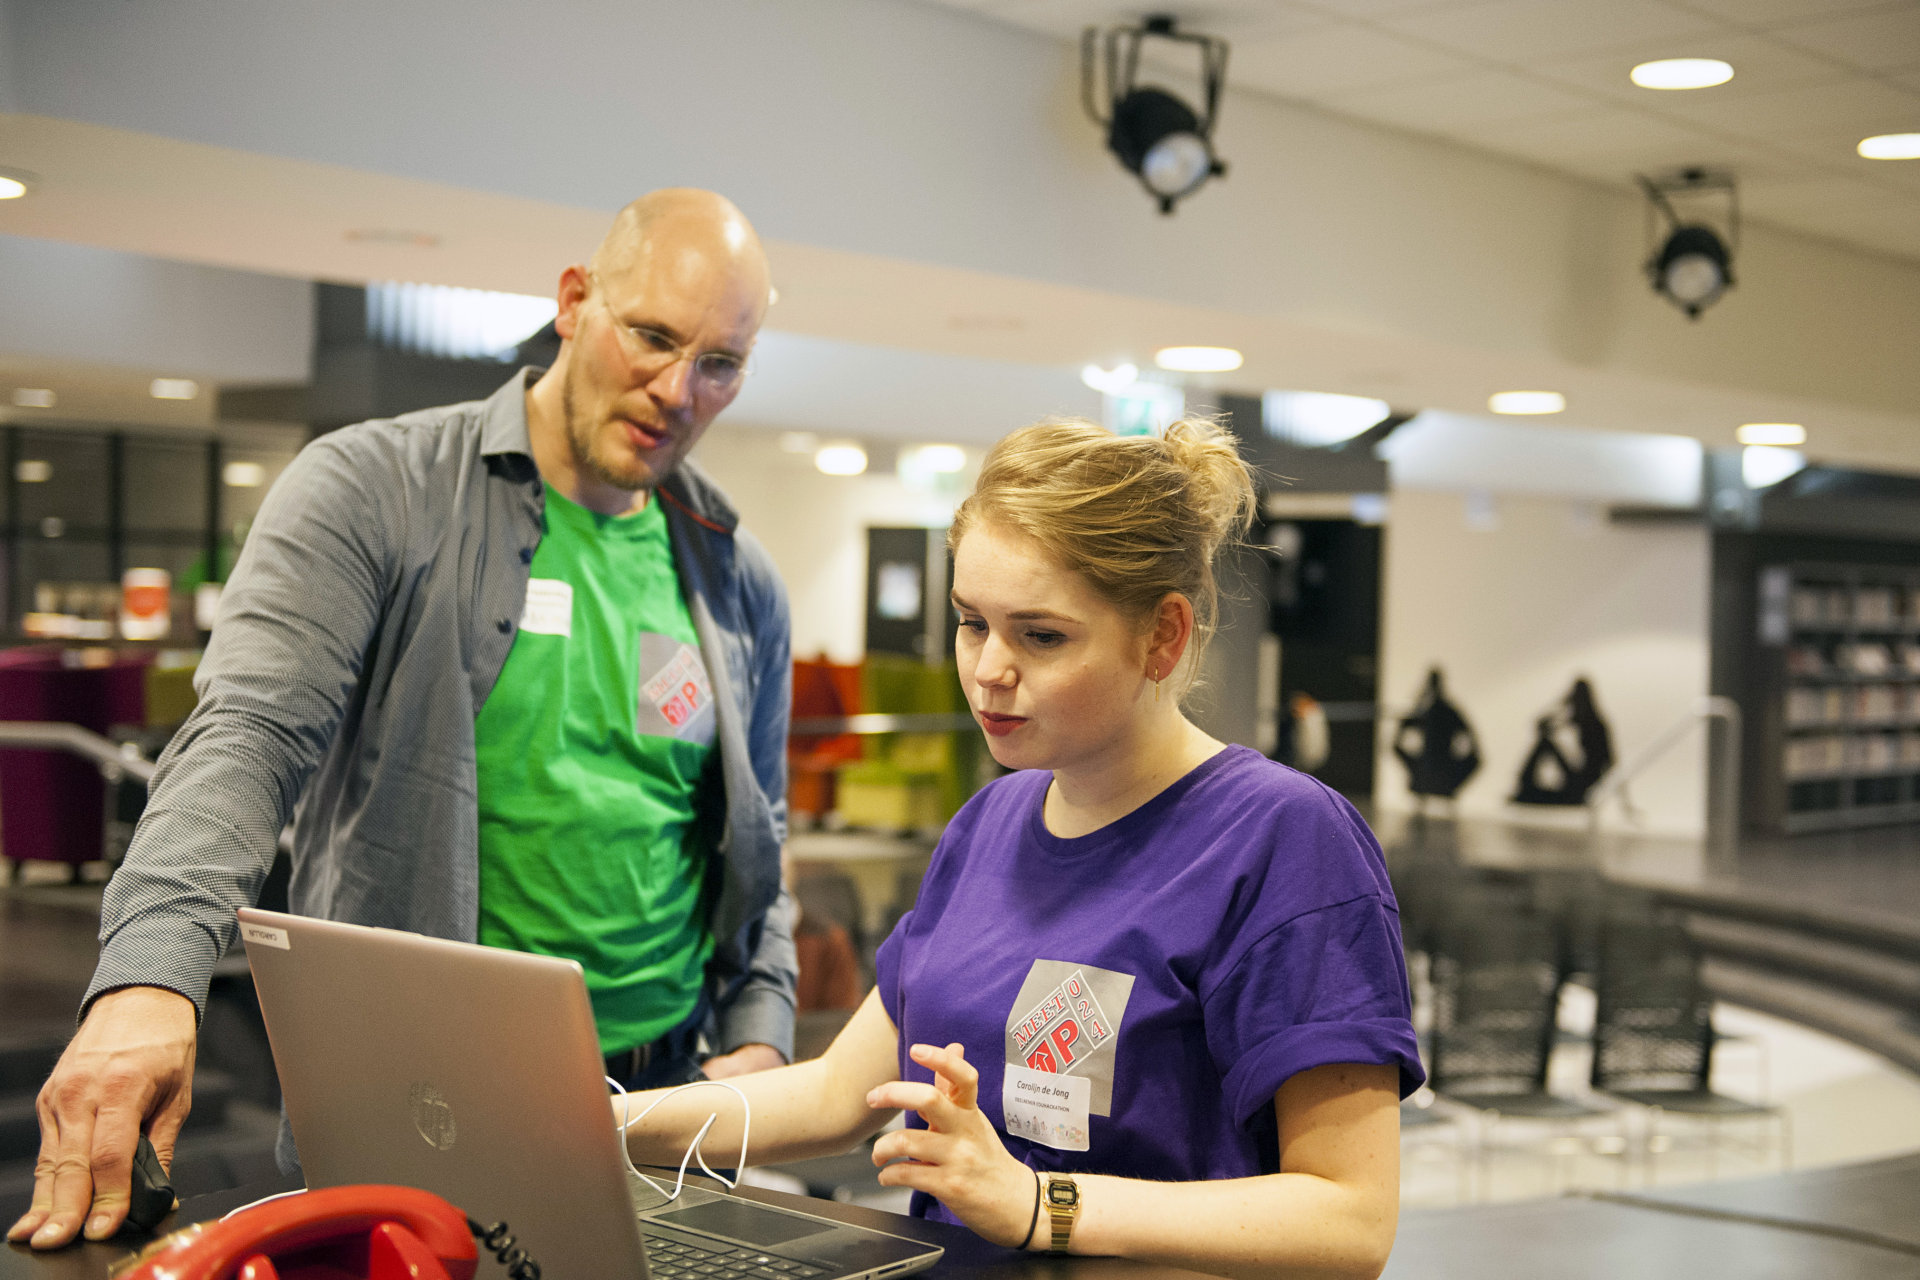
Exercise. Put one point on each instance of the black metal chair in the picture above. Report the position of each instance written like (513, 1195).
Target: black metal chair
(1496, 986)
(1653, 1039)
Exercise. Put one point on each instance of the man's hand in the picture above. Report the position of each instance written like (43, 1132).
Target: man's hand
(131, 1063)
(746, 1059)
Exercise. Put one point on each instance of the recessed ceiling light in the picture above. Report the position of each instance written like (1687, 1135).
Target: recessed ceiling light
(841, 459)
(1110, 381)
(34, 398)
(33, 471)
(1774, 433)
(173, 388)
(243, 475)
(15, 183)
(1891, 146)
(1526, 402)
(1682, 73)
(941, 459)
(1198, 359)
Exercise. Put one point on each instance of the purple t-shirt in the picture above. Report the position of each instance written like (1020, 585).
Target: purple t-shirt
(1185, 960)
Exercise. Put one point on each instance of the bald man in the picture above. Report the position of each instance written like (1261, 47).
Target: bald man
(519, 678)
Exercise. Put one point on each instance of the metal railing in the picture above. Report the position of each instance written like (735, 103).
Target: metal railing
(116, 761)
(1723, 771)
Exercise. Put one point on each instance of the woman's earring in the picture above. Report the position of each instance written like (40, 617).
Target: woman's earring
(1156, 686)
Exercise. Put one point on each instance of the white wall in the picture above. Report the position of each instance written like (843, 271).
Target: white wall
(1461, 452)
(857, 389)
(815, 527)
(96, 306)
(907, 132)
(1514, 613)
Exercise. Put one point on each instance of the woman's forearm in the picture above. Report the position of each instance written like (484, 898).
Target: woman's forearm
(1287, 1224)
(797, 1112)
(1332, 1214)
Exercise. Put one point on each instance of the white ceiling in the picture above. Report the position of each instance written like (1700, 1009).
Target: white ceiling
(1545, 81)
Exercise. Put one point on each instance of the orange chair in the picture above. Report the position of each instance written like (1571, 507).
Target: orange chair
(820, 688)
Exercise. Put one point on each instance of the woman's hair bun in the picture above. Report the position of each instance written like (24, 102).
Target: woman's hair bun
(1139, 516)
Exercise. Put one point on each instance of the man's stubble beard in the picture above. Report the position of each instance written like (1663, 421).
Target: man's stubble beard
(580, 442)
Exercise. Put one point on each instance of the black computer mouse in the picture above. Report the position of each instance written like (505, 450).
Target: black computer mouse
(152, 1194)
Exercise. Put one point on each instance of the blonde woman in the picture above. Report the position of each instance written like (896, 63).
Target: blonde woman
(1151, 1001)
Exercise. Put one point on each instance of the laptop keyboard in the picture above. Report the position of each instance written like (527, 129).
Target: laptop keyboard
(676, 1258)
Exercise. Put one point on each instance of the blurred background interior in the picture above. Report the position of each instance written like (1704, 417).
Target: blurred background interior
(1552, 375)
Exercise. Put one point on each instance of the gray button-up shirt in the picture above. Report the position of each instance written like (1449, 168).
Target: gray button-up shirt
(365, 623)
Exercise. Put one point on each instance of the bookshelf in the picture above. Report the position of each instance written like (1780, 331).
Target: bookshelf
(1847, 701)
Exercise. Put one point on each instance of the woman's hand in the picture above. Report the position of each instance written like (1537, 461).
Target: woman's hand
(958, 1158)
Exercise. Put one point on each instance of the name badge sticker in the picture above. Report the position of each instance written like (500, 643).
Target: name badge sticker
(265, 936)
(549, 610)
(1046, 1107)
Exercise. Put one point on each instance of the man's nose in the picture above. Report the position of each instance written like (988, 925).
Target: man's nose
(672, 387)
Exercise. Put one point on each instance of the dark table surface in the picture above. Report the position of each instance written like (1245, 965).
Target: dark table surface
(967, 1254)
(1856, 1221)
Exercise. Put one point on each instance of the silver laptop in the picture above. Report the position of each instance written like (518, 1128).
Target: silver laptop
(476, 1073)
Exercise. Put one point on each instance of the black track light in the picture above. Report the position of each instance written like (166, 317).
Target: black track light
(1693, 265)
(1154, 134)
(1693, 268)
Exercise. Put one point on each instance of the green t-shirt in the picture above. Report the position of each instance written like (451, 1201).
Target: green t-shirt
(594, 751)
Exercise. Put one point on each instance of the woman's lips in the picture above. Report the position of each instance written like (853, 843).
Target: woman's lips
(998, 725)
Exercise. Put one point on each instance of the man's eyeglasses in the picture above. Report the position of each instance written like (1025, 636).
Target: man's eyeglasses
(657, 351)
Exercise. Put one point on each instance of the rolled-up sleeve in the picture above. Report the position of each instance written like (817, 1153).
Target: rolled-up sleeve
(1326, 986)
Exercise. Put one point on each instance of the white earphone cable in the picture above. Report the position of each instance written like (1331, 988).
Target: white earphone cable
(693, 1151)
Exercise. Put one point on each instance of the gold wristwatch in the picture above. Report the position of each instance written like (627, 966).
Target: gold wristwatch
(1063, 1208)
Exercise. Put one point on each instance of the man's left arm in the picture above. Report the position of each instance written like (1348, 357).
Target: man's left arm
(756, 1025)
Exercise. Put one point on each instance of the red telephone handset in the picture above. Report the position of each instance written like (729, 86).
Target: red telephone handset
(381, 1233)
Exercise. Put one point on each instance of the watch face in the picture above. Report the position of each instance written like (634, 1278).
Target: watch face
(1063, 1192)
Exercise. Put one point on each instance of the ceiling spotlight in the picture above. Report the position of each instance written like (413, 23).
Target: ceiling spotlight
(1198, 359)
(1526, 402)
(34, 397)
(1693, 263)
(1682, 73)
(1110, 381)
(15, 183)
(243, 475)
(173, 388)
(841, 460)
(1891, 146)
(1784, 434)
(1154, 134)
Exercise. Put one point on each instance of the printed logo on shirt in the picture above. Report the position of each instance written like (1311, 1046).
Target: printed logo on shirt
(1066, 1021)
(549, 610)
(676, 696)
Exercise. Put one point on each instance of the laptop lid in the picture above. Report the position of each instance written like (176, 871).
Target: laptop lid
(475, 1073)
(471, 1072)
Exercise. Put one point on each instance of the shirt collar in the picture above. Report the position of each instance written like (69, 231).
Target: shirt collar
(505, 427)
